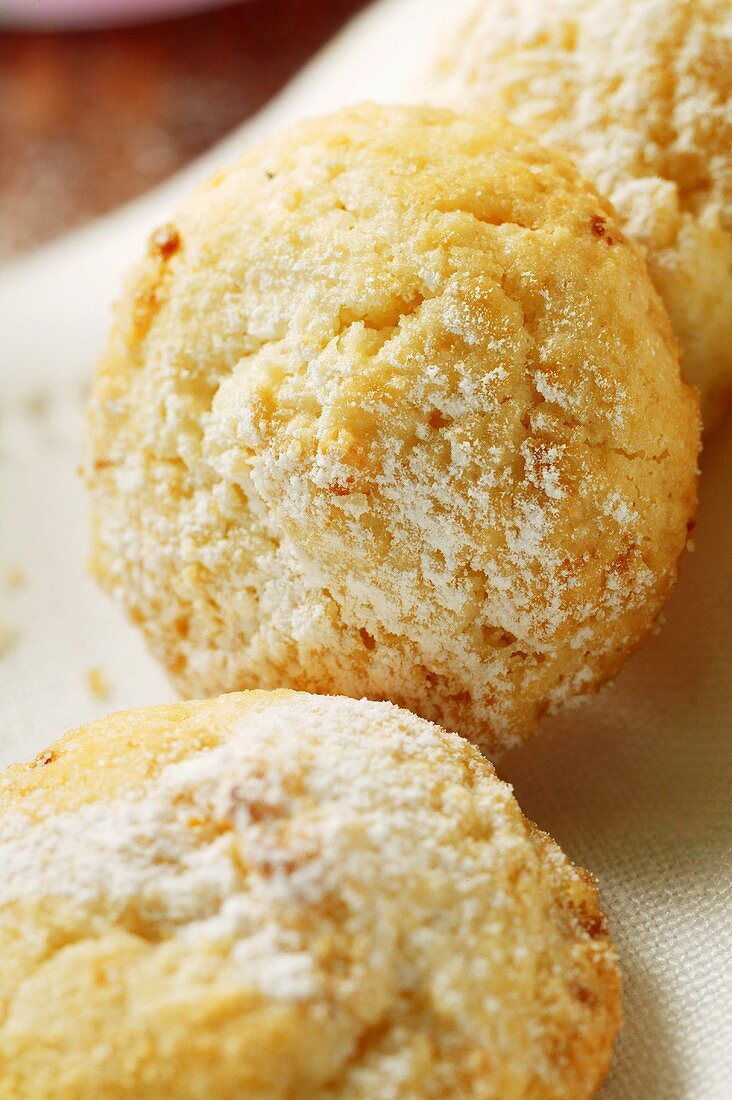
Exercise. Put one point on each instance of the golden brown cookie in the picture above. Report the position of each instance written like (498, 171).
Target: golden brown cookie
(283, 895)
(392, 409)
(641, 95)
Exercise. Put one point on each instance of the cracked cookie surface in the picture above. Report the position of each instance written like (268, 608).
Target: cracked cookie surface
(277, 895)
(392, 409)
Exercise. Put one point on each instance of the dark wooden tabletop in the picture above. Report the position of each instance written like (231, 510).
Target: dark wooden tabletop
(91, 119)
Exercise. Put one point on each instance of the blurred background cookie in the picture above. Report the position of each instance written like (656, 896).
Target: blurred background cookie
(392, 409)
(640, 94)
(277, 895)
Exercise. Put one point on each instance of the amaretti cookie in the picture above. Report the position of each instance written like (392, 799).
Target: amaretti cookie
(270, 896)
(392, 409)
(641, 95)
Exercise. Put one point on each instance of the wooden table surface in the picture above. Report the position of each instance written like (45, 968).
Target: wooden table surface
(91, 119)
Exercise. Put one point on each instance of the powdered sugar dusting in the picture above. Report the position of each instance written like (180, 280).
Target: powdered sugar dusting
(379, 437)
(297, 804)
(323, 870)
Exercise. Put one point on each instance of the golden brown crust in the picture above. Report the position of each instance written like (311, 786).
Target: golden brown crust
(277, 895)
(401, 417)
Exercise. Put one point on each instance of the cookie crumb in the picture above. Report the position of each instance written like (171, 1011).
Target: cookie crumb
(98, 683)
(15, 577)
(165, 242)
(38, 405)
(43, 758)
(8, 637)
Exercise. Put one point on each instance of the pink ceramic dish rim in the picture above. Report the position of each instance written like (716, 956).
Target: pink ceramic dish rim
(80, 14)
